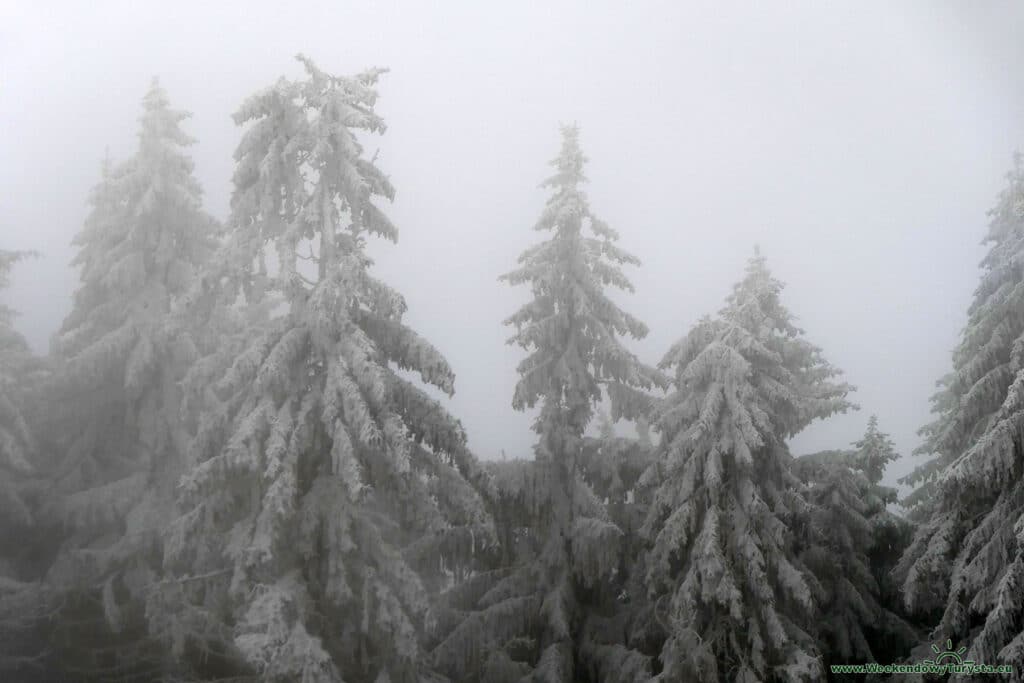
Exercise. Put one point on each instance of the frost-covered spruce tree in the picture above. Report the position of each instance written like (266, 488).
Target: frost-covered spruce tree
(732, 590)
(851, 542)
(891, 533)
(938, 448)
(965, 566)
(118, 358)
(874, 451)
(329, 496)
(983, 368)
(533, 618)
(119, 353)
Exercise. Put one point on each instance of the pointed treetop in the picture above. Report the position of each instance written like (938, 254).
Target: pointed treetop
(754, 339)
(569, 273)
(1006, 218)
(757, 269)
(146, 230)
(160, 123)
(156, 97)
(755, 299)
(570, 160)
(874, 451)
(758, 262)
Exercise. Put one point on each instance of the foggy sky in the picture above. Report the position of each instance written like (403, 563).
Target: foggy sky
(859, 145)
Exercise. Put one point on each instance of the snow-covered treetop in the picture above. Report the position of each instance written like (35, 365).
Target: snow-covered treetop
(302, 177)
(986, 360)
(754, 302)
(161, 155)
(143, 239)
(571, 327)
(569, 163)
(980, 373)
(1006, 218)
(142, 244)
(753, 365)
(965, 559)
(874, 452)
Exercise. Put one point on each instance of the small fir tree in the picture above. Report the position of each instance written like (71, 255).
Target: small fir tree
(851, 543)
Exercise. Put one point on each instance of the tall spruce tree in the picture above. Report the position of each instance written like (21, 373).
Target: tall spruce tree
(965, 566)
(851, 544)
(329, 496)
(572, 332)
(119, 356)
(735, 596)
(983, 361)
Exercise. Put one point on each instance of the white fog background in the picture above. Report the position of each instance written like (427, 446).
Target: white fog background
(860, 145)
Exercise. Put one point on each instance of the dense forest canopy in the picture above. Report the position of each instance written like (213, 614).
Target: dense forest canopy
(235, 463)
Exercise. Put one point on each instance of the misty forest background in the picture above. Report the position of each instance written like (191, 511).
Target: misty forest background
(238, 461)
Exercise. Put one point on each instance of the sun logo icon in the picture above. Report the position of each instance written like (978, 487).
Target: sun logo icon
(948, 656)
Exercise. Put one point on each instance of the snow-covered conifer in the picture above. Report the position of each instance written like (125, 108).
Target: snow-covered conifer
(118, 359)
(983, 369)
(966, 563)
(119, 353)
(571, 331)
(731, 588)
(875, 450)
(329, 495)
(847, 540)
